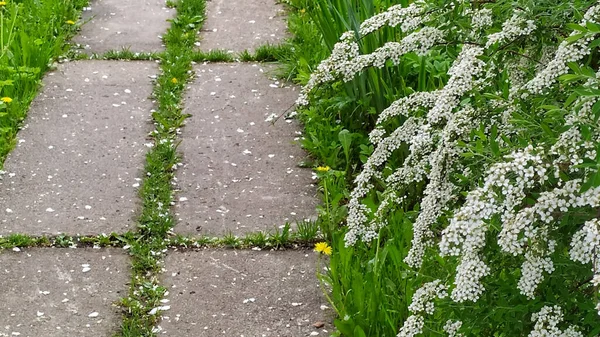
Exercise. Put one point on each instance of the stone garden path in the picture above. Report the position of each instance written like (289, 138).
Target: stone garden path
(79, 162)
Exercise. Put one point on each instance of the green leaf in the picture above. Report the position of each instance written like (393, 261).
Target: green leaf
(575, 26)
(595, 44)
(359, 332)
(593, 181)
(547, 129)
(575, 67)
(345, 327)
(574, 38)
(422, 72)
(568, 78)
(492, 96)
(596, 111)
(549, 107)
(571, 99)
(345, 137)
(493, 143)
(589, 72)
(587, 92)
(593, 27)
(586, 165)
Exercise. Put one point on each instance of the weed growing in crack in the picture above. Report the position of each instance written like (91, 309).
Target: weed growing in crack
(230, 240)
(147, 250)
(307, 231)
(280, 238)
(258, 239)
(215, 55)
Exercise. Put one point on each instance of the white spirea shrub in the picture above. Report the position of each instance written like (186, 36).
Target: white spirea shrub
(433, 126)
(452, 327)
(547, 321)
(422, 304)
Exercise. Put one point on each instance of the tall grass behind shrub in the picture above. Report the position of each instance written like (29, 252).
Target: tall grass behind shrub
(32, 35)
(370, 92)
(351, 106)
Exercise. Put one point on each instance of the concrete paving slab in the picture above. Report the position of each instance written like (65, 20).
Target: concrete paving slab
(117, 24)
(238, 25)
(54, 292)
(81, 154)
(240, 172)
(243, 293)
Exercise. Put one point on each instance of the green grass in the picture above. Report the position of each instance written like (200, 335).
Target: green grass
(305, 236)
(267, 53)
(216, 55)
(33, 35)
(264, 53)
(155, 221)
(126, 54)
(62, 241)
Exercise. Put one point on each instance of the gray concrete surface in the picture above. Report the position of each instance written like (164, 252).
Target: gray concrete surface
(243, 293)
(240, 172)
(55, 292)
(81, 153)
(117, 24)
(238, 25)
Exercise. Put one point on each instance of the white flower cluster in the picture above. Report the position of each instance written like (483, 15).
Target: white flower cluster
(531, 273)
(345, 60)
(570, 149)
(585, 248)
(408, 18)
(503, 189)
(422, 300)
(413, 132)
(547, 321)
(463, 73)
(343, 51)
(419, 135)
(519, 228)
(513, 28)
(451, 328)
(524, 230)
(421, 304)
(567, 52)
(402, 107)
(412, 326)
(427, 158)
(481, 18)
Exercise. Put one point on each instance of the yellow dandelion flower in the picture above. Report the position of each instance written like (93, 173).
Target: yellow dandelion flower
(322, 169)
(2, 3)
(6, 99)
(323, 248)
(70, 22)
(303, 11)
(174, 80)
